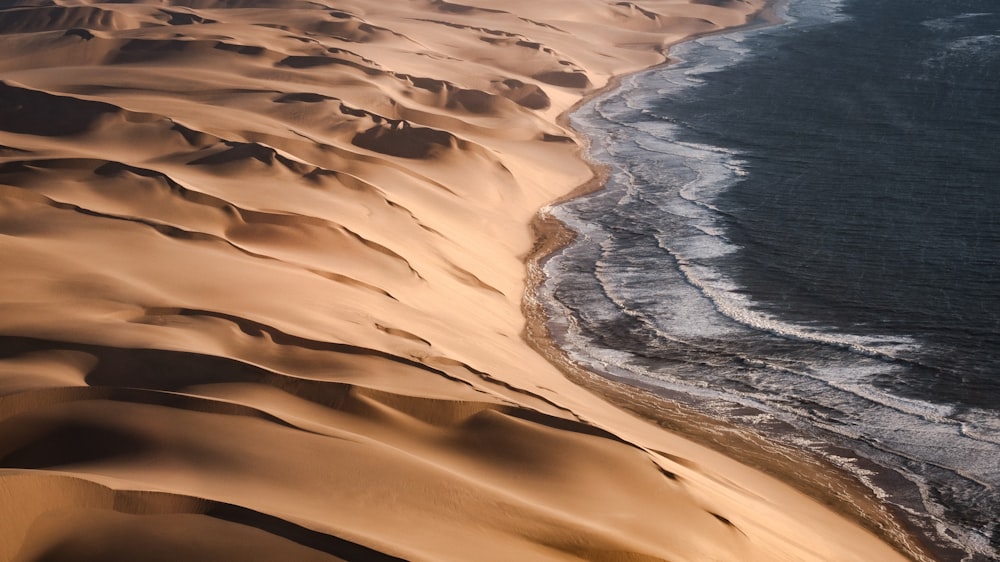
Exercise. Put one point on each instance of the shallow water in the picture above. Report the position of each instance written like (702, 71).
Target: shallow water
(804, 219)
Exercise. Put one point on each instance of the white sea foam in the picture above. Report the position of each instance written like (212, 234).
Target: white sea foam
(953, 22)
(973, 44)
(696, 306)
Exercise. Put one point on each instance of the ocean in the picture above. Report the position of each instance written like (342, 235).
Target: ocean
(802, 225)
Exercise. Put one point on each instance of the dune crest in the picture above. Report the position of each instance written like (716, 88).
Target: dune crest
(262, 280)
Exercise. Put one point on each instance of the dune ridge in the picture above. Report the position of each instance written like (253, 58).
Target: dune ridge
(263, 264)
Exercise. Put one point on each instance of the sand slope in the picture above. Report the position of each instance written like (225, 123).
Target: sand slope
(261, 273)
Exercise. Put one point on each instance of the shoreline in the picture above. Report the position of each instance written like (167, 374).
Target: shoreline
(842, 490)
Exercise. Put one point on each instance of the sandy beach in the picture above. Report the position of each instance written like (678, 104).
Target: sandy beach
(265, 287)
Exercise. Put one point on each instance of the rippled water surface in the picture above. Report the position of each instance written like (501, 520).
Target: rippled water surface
(805, 219)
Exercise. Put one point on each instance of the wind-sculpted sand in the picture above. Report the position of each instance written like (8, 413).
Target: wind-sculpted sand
(261, 276)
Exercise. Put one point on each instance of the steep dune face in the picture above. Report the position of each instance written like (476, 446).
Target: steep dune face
(261, 283)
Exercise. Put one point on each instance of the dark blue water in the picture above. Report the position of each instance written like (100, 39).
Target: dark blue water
(805, 219)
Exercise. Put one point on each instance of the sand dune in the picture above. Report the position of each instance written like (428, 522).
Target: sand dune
(263, 265)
